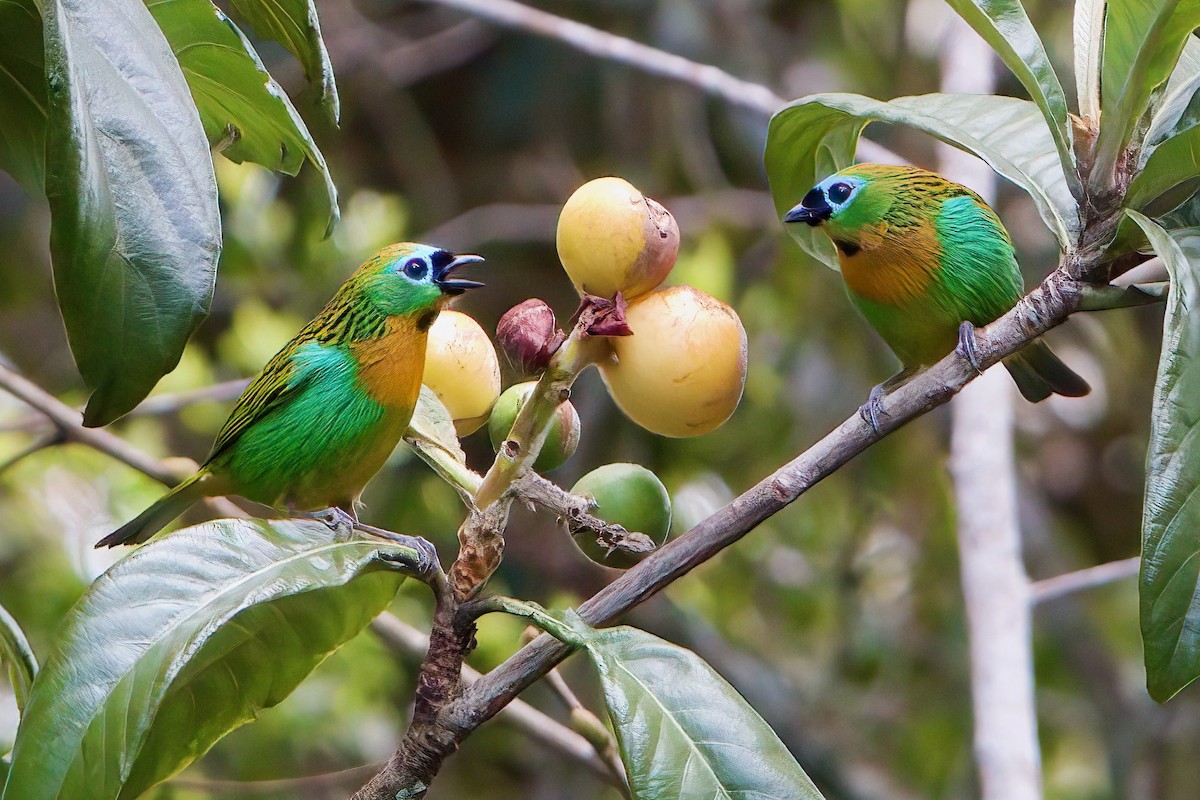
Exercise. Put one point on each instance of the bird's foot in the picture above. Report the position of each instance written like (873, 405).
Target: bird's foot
(871, 409)
(966, 345)
(427, 562)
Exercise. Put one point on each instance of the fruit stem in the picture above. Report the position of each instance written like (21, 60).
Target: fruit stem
(529, 429)
(464, 480)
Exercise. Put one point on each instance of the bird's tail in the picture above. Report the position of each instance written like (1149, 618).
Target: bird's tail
(154, 518)
(1039, 373)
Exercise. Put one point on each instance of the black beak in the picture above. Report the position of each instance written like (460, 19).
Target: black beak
(453, 286)
(813, 209)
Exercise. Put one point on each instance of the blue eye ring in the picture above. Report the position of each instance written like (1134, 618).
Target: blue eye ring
(416, 268)
(840, 193)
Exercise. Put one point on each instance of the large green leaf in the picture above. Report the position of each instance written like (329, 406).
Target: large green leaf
(816, 135)
(1170, 579)
(1171, 170)
(1006, 27)
(135, 231)
(1088, 38)
(684, 731)
(243, 109)
(1169, 167)
(294, 24)
(22, 94)
(1177, 110)
(1142, 42)
(16, 653)
(187, 638)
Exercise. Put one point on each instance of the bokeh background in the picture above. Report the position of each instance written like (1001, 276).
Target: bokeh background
(840, 619)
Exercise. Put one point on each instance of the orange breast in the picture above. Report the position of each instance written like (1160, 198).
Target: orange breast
(390, 367)
(891, 267)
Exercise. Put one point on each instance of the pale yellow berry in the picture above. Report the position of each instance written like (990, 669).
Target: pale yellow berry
(682, 371)
(611, 238)
(462, 370)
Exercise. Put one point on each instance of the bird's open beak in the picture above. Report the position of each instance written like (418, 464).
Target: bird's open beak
(454, 286)
(813, 209)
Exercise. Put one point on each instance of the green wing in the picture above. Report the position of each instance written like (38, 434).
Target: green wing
(979, 276)
(280, 380)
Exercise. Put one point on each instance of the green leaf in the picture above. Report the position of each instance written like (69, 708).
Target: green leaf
(1005, 26)
(1168, 165)
(816, 135)
(294, 24)
(1170, 578)
(1142, 42)
(684, 731)
(1178, 110)
(188, 638)
(18, 655)
(244, 111)
(1173, 166)
(432, 427)
(23, 94)
(431, 434)
(1089, 42)
(135, 231)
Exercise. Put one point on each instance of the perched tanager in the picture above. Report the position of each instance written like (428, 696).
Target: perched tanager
(925, 260)
(328, 409)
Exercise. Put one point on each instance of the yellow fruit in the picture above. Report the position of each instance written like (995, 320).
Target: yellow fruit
(561, 439)
(628, 495)
(611, 238)
(682, 371)
(462, 370)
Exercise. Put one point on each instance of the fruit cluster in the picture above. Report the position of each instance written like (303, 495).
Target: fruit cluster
(673, 358)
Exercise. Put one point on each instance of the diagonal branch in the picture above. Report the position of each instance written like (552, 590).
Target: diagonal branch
(1044, 308)
(602, 44)
(69, 422)
(1088, 578)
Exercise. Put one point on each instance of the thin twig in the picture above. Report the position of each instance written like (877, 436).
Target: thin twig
(276, 785)
(609, 46)
(70, 422)
(407, 641)
(535, 222)
(1089, 578)
(39, 444)
(170, 402)
(585, 722)
(575, 513)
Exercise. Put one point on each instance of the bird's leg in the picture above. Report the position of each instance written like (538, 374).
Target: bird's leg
(966, 345)
(871, 409)
(338, 519)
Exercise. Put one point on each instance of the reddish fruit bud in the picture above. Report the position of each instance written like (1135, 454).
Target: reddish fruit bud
(601, 317)
(528, 336)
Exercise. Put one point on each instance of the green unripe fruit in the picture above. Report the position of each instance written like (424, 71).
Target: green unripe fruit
(561, 439)
(628, 495)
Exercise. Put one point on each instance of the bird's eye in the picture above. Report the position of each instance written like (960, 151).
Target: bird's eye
(416, 269)
(840, 193)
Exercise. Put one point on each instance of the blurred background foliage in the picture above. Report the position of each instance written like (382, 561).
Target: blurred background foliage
(841, 618)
